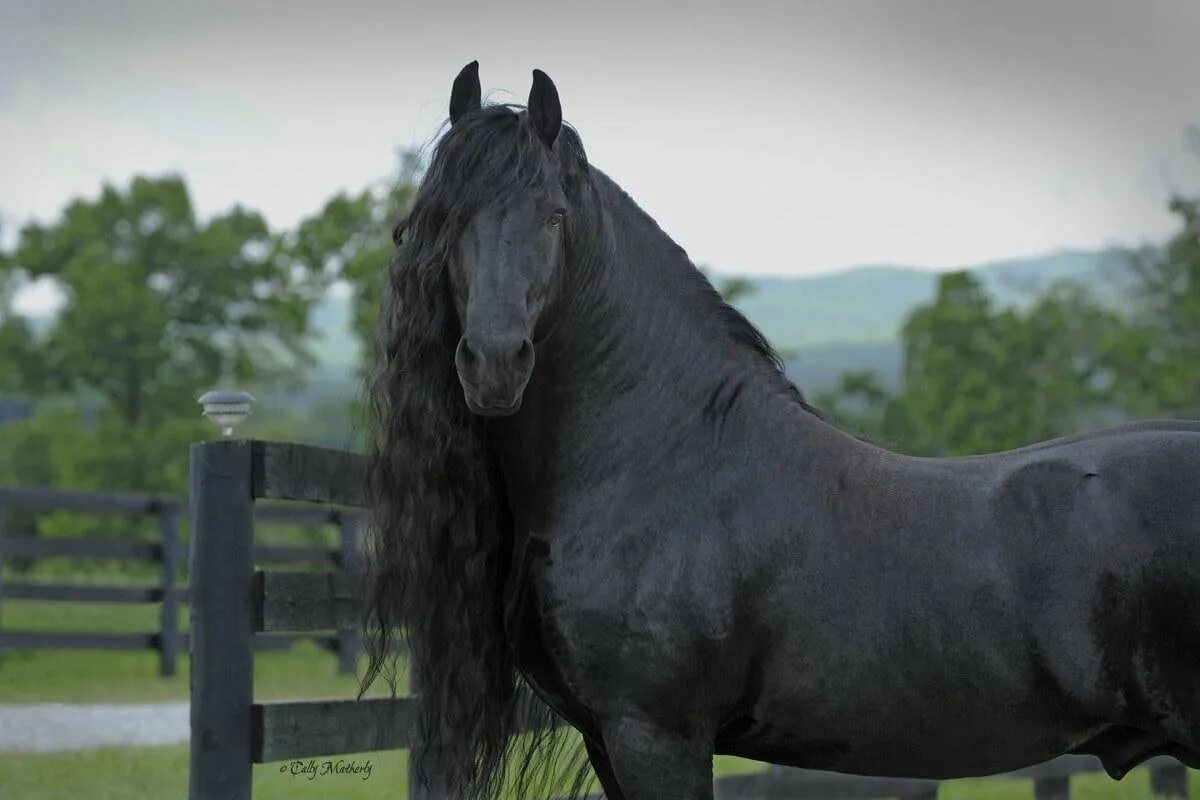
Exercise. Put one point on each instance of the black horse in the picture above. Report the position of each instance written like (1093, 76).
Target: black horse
(592, 479)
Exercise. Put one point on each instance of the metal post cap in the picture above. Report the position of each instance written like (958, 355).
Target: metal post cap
(228, 408)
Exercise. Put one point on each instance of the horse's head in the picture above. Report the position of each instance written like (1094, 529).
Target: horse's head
(475, 280)
(504, 265)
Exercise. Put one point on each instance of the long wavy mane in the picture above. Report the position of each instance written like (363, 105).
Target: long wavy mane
(441, 535)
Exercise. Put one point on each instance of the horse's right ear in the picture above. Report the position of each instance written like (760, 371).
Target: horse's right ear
(544, 109)
(465, 95)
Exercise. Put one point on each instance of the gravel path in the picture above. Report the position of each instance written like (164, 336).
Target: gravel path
(50, 727)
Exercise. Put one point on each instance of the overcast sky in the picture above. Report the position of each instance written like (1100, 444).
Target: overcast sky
(783, 137)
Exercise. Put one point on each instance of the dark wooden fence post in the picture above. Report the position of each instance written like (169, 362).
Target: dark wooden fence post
(1052, 788)
(434, 787)
(222, 574)
(1169, 781)
(168, 645)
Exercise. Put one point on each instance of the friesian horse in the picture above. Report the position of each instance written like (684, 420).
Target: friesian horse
(591, 479)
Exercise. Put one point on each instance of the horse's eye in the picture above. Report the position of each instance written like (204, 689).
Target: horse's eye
(555, 219)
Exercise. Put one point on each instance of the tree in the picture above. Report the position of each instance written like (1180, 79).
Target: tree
(1162, 348)
(863, 405)
(351, 238)
(158, 305)
(980, 379)
(19, 366)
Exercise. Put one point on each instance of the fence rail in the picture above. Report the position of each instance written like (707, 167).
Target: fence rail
(1051, 781)
(169, 593)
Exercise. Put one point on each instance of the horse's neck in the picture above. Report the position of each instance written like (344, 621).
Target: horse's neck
(641, 320)
(639, 363)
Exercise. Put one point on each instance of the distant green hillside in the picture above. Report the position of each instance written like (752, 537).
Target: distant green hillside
(817, 368)
(869, 304)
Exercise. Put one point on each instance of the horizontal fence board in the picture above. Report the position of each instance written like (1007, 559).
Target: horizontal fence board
(87, 594)
(277, 641)
(38, 499)
(310, 474)
(39, 547)
(782, 783)
(65, 640)
(785, 784)
(307, 601)
(1061, 767)
(1066, 766)
(59, 640)
(283, 731)
(302, 515)
(286, 553)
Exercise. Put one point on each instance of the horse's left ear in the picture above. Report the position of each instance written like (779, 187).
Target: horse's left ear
(544, 109)
(465, 94)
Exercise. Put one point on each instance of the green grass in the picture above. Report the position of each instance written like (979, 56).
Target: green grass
(161, 773)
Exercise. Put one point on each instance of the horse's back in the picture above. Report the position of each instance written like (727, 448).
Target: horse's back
(1011, 605)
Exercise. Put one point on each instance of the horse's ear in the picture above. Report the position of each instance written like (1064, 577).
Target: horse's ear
(544, 109)
(465, 95)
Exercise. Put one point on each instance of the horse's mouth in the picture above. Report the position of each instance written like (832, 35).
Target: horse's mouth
(493, 410)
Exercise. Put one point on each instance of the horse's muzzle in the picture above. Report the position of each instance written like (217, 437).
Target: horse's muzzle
(494, 372)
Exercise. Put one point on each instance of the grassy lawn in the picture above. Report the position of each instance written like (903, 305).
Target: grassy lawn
(161, 773)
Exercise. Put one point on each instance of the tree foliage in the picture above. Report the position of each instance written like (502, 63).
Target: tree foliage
(1163, 346)
(158, 306)
(977, 378)
(351, 238)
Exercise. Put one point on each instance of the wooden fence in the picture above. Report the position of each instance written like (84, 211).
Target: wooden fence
(233, 605)
(169, 592)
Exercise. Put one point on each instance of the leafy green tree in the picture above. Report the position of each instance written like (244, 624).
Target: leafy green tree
(1161, 349)
(158, 305)
(981, 379)
(951, 347)
(862, 404)
(20, 368)
(351, 238)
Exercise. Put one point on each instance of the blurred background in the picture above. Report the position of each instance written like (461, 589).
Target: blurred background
(966, 227)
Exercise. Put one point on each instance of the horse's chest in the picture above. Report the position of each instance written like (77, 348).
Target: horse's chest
(536, 637)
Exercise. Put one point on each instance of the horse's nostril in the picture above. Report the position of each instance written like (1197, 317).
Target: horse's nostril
(465, 358)
(525, 352)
